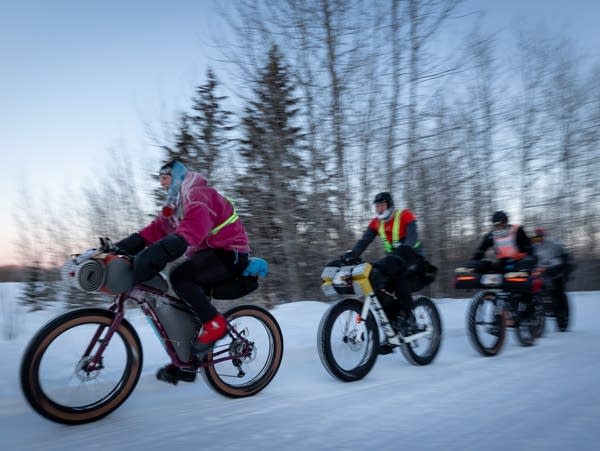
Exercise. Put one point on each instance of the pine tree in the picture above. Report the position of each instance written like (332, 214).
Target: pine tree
(33, 292)
(210, 126)
(271, 189)
(201, 136)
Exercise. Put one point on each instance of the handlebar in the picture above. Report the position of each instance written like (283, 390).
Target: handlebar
(107, 246)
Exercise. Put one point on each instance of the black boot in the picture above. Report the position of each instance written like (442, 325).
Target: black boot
(405, 323)
(171, 374)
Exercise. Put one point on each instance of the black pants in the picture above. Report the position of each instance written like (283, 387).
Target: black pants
(194, 276)
(396, 266)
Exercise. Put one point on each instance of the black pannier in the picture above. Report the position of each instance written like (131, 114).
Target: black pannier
(233, 288)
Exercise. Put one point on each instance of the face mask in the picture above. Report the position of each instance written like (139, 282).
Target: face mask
(385, 215)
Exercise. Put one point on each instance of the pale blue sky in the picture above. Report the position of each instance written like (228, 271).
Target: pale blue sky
(77, 77)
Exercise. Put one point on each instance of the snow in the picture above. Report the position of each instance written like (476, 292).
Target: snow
(545, 397)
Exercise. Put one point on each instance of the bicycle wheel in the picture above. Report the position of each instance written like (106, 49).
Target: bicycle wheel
(255, 337)
(347, 345)
(528, 322)
(539, 326)
(486, 328)
(423, 350)
(56, 379)
(562, 312)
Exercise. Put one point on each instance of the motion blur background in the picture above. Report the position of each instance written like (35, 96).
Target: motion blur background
(300, 111)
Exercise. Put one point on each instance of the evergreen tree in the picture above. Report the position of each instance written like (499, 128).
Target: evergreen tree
(210, 126)
(201, 136)
(271, 189)
(33, 294)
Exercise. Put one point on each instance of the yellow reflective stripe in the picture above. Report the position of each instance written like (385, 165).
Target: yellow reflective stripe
(389, 247)
(234, 217)
(386, 243)
(396, 229)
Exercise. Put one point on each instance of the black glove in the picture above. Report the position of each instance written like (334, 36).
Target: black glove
(477, 265)
(349, 258)
(131, 245)
(153, 259)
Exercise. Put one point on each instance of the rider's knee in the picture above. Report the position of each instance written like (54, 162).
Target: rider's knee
(180, 274)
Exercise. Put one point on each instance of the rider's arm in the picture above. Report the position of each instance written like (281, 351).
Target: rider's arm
(486, 243)
(366, 239)
(156, 230)
(411, 238)
(154, 258)
(132, 244)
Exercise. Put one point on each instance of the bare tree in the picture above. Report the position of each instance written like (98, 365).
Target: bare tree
(530, 121)
(425, 19)
(114, 203)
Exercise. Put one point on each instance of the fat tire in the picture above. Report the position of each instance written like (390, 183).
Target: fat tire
(220, 385)
(324, 341)
(476, 303)
(29, 370)
(524, 331)
(562, 318)
(407, 349)
(540, 316)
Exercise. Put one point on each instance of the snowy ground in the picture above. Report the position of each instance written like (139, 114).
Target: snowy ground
(546, 397)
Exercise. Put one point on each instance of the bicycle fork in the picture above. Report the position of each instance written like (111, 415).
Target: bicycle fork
(94, 362)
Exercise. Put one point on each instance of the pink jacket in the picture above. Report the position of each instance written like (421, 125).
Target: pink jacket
(199, 210)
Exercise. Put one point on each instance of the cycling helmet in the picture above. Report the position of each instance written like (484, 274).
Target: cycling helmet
(384, 197)
(499, 217)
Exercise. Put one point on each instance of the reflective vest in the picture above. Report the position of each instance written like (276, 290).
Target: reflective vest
(389, 247)
(396, 242)
(505, 243)
(230, 220)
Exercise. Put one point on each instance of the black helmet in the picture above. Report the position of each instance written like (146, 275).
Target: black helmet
(499, 217)
(384, 197)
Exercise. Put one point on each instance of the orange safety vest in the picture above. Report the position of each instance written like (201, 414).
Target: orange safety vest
(505, 243)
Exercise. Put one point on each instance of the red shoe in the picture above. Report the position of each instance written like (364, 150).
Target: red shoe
(212, 330)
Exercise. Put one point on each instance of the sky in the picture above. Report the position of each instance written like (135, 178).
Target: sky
(545, 397)
(78, 78)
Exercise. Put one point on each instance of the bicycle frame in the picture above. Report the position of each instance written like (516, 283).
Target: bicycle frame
(504, 304)
(371, 303)
(141, 295)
